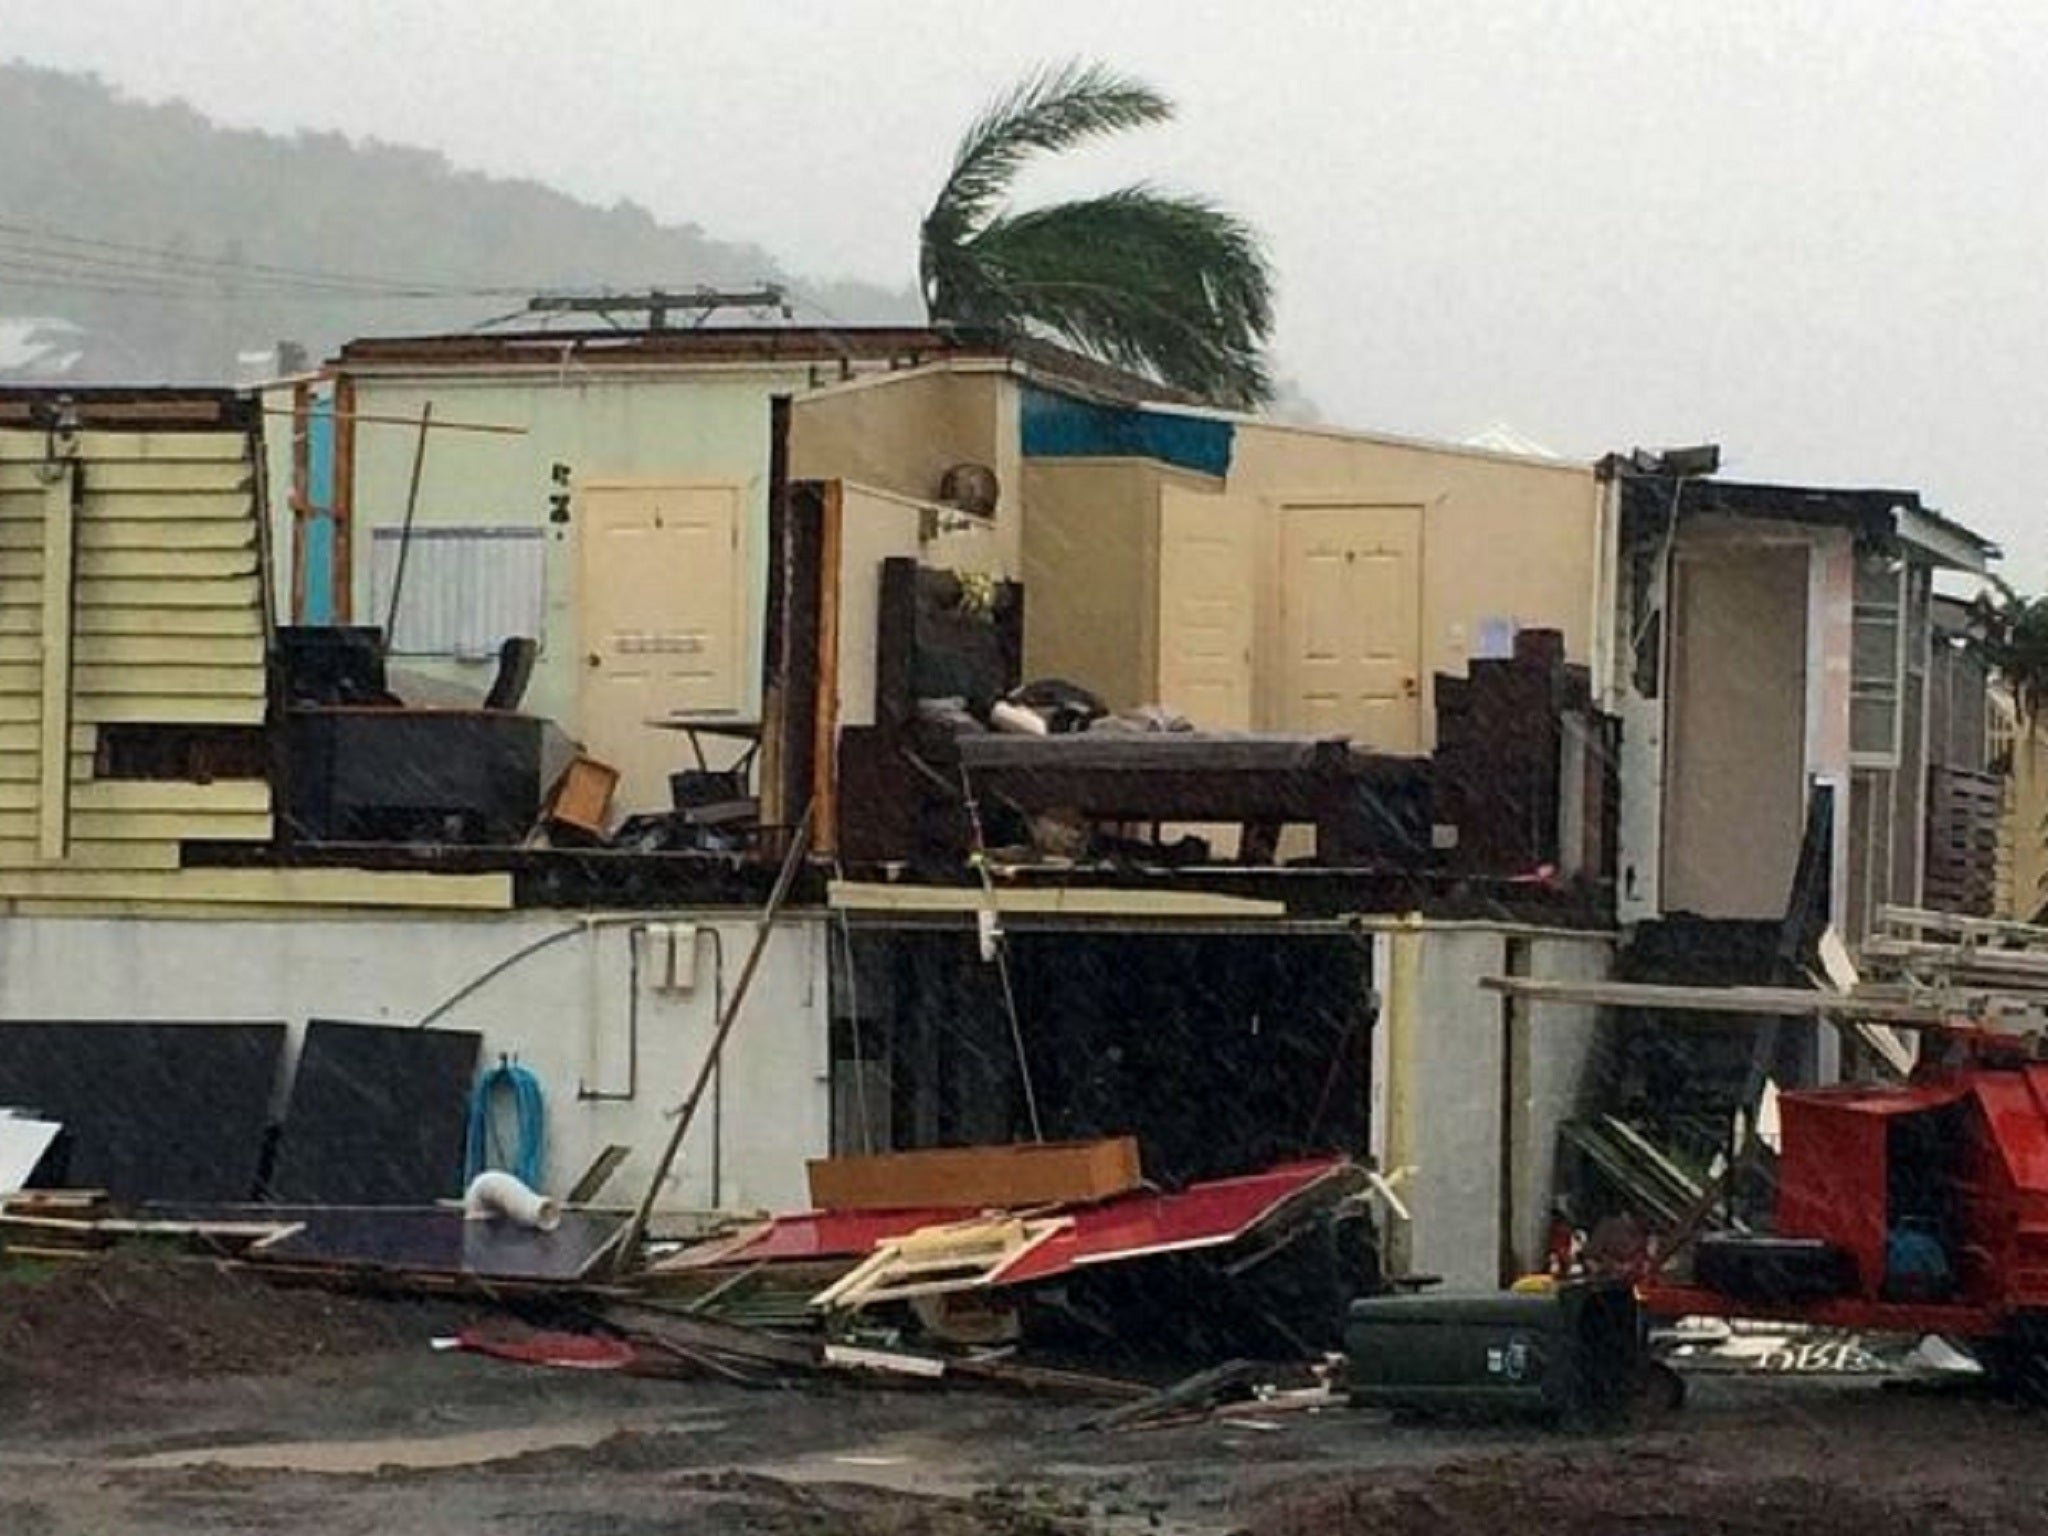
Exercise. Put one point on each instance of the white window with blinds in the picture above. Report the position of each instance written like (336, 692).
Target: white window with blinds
(465, 591)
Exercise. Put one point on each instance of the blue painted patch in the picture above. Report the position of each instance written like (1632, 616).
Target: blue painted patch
(317, 532)
(1062, 427)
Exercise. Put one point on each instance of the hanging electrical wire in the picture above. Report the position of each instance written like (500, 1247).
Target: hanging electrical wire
(42, 257)
(87, 250)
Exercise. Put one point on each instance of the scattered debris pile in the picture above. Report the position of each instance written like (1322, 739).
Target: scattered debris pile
(1009, 1265)
(1262, 1263)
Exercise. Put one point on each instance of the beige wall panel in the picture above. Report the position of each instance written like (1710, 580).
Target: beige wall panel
(24, 853)
(1091, 572)
(157, 709)
(1504, 539)
(1736, 744)
(1208, 606)
(243, 887)
(147, 480)
(903, 434)
(873, 527)
(234, 796)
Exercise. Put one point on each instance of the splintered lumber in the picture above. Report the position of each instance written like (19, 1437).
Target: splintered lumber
(889, 1362)
(121, 1227)
(1784, 1002)
(1000, 1371)
(979, 1178)
(936, 1260)
(1190, 1393)
(597, 1175)
(1905, 921)
(49, 1202)
(705, 1339)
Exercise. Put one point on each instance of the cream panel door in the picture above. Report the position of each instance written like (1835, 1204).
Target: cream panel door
(1351, 623)
(661, 602)
(1208, 572)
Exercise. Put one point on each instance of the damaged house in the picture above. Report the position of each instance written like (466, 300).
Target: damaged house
(1367, 720)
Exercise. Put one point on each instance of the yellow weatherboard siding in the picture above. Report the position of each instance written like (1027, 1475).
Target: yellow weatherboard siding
(131, 593)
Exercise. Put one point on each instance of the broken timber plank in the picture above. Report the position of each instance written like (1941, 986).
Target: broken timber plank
(597, 1175)
(1196, 1391)
(973, 1178)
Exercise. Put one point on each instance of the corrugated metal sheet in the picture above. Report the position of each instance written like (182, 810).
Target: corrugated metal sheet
(466, 589)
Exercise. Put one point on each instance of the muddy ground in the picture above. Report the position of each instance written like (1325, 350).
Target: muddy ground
(320, 1414)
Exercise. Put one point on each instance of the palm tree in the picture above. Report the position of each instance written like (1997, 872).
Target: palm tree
(2011, 636)
(1167, 285)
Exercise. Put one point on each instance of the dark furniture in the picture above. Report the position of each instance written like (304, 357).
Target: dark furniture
(899, 791)
(357, 774)
(1365, 807)
(515, 670)
(332, 664)
(1526, 766)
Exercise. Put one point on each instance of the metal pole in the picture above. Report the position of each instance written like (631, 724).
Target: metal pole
(412, 502)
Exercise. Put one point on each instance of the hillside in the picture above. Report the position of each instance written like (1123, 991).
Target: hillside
(312, 238)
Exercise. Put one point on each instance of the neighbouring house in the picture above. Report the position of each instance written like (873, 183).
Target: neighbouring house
(1767, 642)
(2020, 751)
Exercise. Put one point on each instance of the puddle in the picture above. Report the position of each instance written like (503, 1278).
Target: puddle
(413, 1452)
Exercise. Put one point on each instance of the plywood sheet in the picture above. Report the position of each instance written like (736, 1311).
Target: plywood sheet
(378, 1115)
(1735, 790)
(442, 1242)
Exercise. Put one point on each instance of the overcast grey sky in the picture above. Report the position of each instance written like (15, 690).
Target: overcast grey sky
(1813, 232)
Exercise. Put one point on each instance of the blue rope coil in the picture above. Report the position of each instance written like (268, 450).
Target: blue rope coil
(524, 1153)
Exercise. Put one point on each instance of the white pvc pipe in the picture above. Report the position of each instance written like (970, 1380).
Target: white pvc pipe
(496, 1193)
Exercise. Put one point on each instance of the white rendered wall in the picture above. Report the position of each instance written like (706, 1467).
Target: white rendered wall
(563, 1010)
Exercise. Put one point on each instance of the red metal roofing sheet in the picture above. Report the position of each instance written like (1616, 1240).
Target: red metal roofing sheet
(1200, 1216)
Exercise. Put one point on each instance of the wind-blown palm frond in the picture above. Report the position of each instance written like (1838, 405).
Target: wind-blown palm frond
(1052, 109)
(1171, 286)
(1163, 284)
